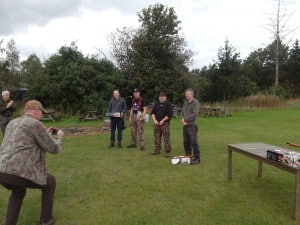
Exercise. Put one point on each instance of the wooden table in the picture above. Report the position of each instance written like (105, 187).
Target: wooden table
(258, 151)
(48, 116)
(90, 115)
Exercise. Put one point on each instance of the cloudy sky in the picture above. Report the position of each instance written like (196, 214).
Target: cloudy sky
(42, 26)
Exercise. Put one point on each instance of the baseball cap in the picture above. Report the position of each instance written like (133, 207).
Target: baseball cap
(162, 93)
(136, 90)
(34, 105)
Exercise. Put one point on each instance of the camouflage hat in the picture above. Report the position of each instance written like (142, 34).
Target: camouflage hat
(34, 105)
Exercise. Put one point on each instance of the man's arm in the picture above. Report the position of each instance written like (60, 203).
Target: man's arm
(130, 114)
(44, 139)
(109, 108)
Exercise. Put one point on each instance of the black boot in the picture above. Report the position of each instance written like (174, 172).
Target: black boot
(195, 161)
(119, 144)
(112, 144)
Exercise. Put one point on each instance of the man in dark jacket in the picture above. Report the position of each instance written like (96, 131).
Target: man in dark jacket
(6, 110)
(116, 109)
(189, 120)
(161, 115)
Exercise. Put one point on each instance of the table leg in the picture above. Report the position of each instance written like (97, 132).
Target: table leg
(297, 196)
(229, 164)
(260, 166)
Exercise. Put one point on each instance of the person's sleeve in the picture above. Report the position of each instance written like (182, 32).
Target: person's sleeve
(45, 141)
(124, 108)
(153, 111)
(2, 107)
(169, 110)
(193, 113)
(109, 108)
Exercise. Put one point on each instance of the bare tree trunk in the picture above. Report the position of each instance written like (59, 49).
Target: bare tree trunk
(277, 44)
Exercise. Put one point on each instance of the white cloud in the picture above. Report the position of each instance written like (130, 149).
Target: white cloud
(205, 23)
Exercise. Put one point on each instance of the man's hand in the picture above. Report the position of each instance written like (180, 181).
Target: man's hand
(161, 123)
(183, 122)
(155, 122)
(60, 134)
(10, 104)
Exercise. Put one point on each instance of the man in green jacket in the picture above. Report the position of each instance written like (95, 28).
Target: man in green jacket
(23, 164)
(189, 121)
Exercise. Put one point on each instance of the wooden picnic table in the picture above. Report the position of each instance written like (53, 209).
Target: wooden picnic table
(48, 115)
(90, 115)
(177, 111)
(258, 151)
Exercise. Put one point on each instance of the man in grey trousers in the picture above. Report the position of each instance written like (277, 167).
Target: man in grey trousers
(189, 121)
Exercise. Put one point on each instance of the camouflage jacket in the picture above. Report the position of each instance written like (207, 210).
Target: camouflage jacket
(24, 147)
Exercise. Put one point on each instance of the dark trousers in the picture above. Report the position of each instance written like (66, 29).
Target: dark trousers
(190, 140)
(4, 122)
(18, 187)
(116, 123)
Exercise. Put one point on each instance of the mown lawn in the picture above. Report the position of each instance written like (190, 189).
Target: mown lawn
(97, 185)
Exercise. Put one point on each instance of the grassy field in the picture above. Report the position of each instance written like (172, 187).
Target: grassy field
(97, 185)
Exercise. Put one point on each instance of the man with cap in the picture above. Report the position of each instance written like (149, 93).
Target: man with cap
(116, 109)
(189, 122)
(22, 157)
(161, 115)
(136, 118)
(6, 110)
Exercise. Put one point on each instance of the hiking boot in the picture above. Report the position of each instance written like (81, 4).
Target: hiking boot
(155, 152)
(119, 144)
(131, 146)
(143, 148)
(112, 144)
(195, 161)
(168, 155)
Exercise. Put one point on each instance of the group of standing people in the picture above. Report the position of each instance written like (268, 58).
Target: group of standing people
(161, 115)
(26, 141)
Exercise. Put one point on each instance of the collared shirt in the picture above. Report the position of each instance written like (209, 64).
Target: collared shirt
(24, 147)
(117, 106)
(190, 112)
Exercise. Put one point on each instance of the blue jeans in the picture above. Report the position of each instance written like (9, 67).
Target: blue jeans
(190, 140)
(116, 123)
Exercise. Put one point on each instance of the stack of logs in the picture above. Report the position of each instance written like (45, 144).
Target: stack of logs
(106, 126)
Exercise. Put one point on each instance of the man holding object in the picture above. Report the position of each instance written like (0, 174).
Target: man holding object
(22, 162)
(116, 109)
(161, 115)
(189, 122)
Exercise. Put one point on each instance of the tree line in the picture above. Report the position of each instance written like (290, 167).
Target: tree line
(153, 57)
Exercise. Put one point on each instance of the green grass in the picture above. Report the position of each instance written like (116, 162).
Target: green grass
(97, 185)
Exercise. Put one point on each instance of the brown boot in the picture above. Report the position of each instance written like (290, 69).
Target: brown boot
(119, 144)
(112, 144)
(156, 152)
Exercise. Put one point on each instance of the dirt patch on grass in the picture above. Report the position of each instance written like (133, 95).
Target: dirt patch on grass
(82, 131)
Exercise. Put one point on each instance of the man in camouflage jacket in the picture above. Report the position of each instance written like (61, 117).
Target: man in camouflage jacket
(22, 162)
